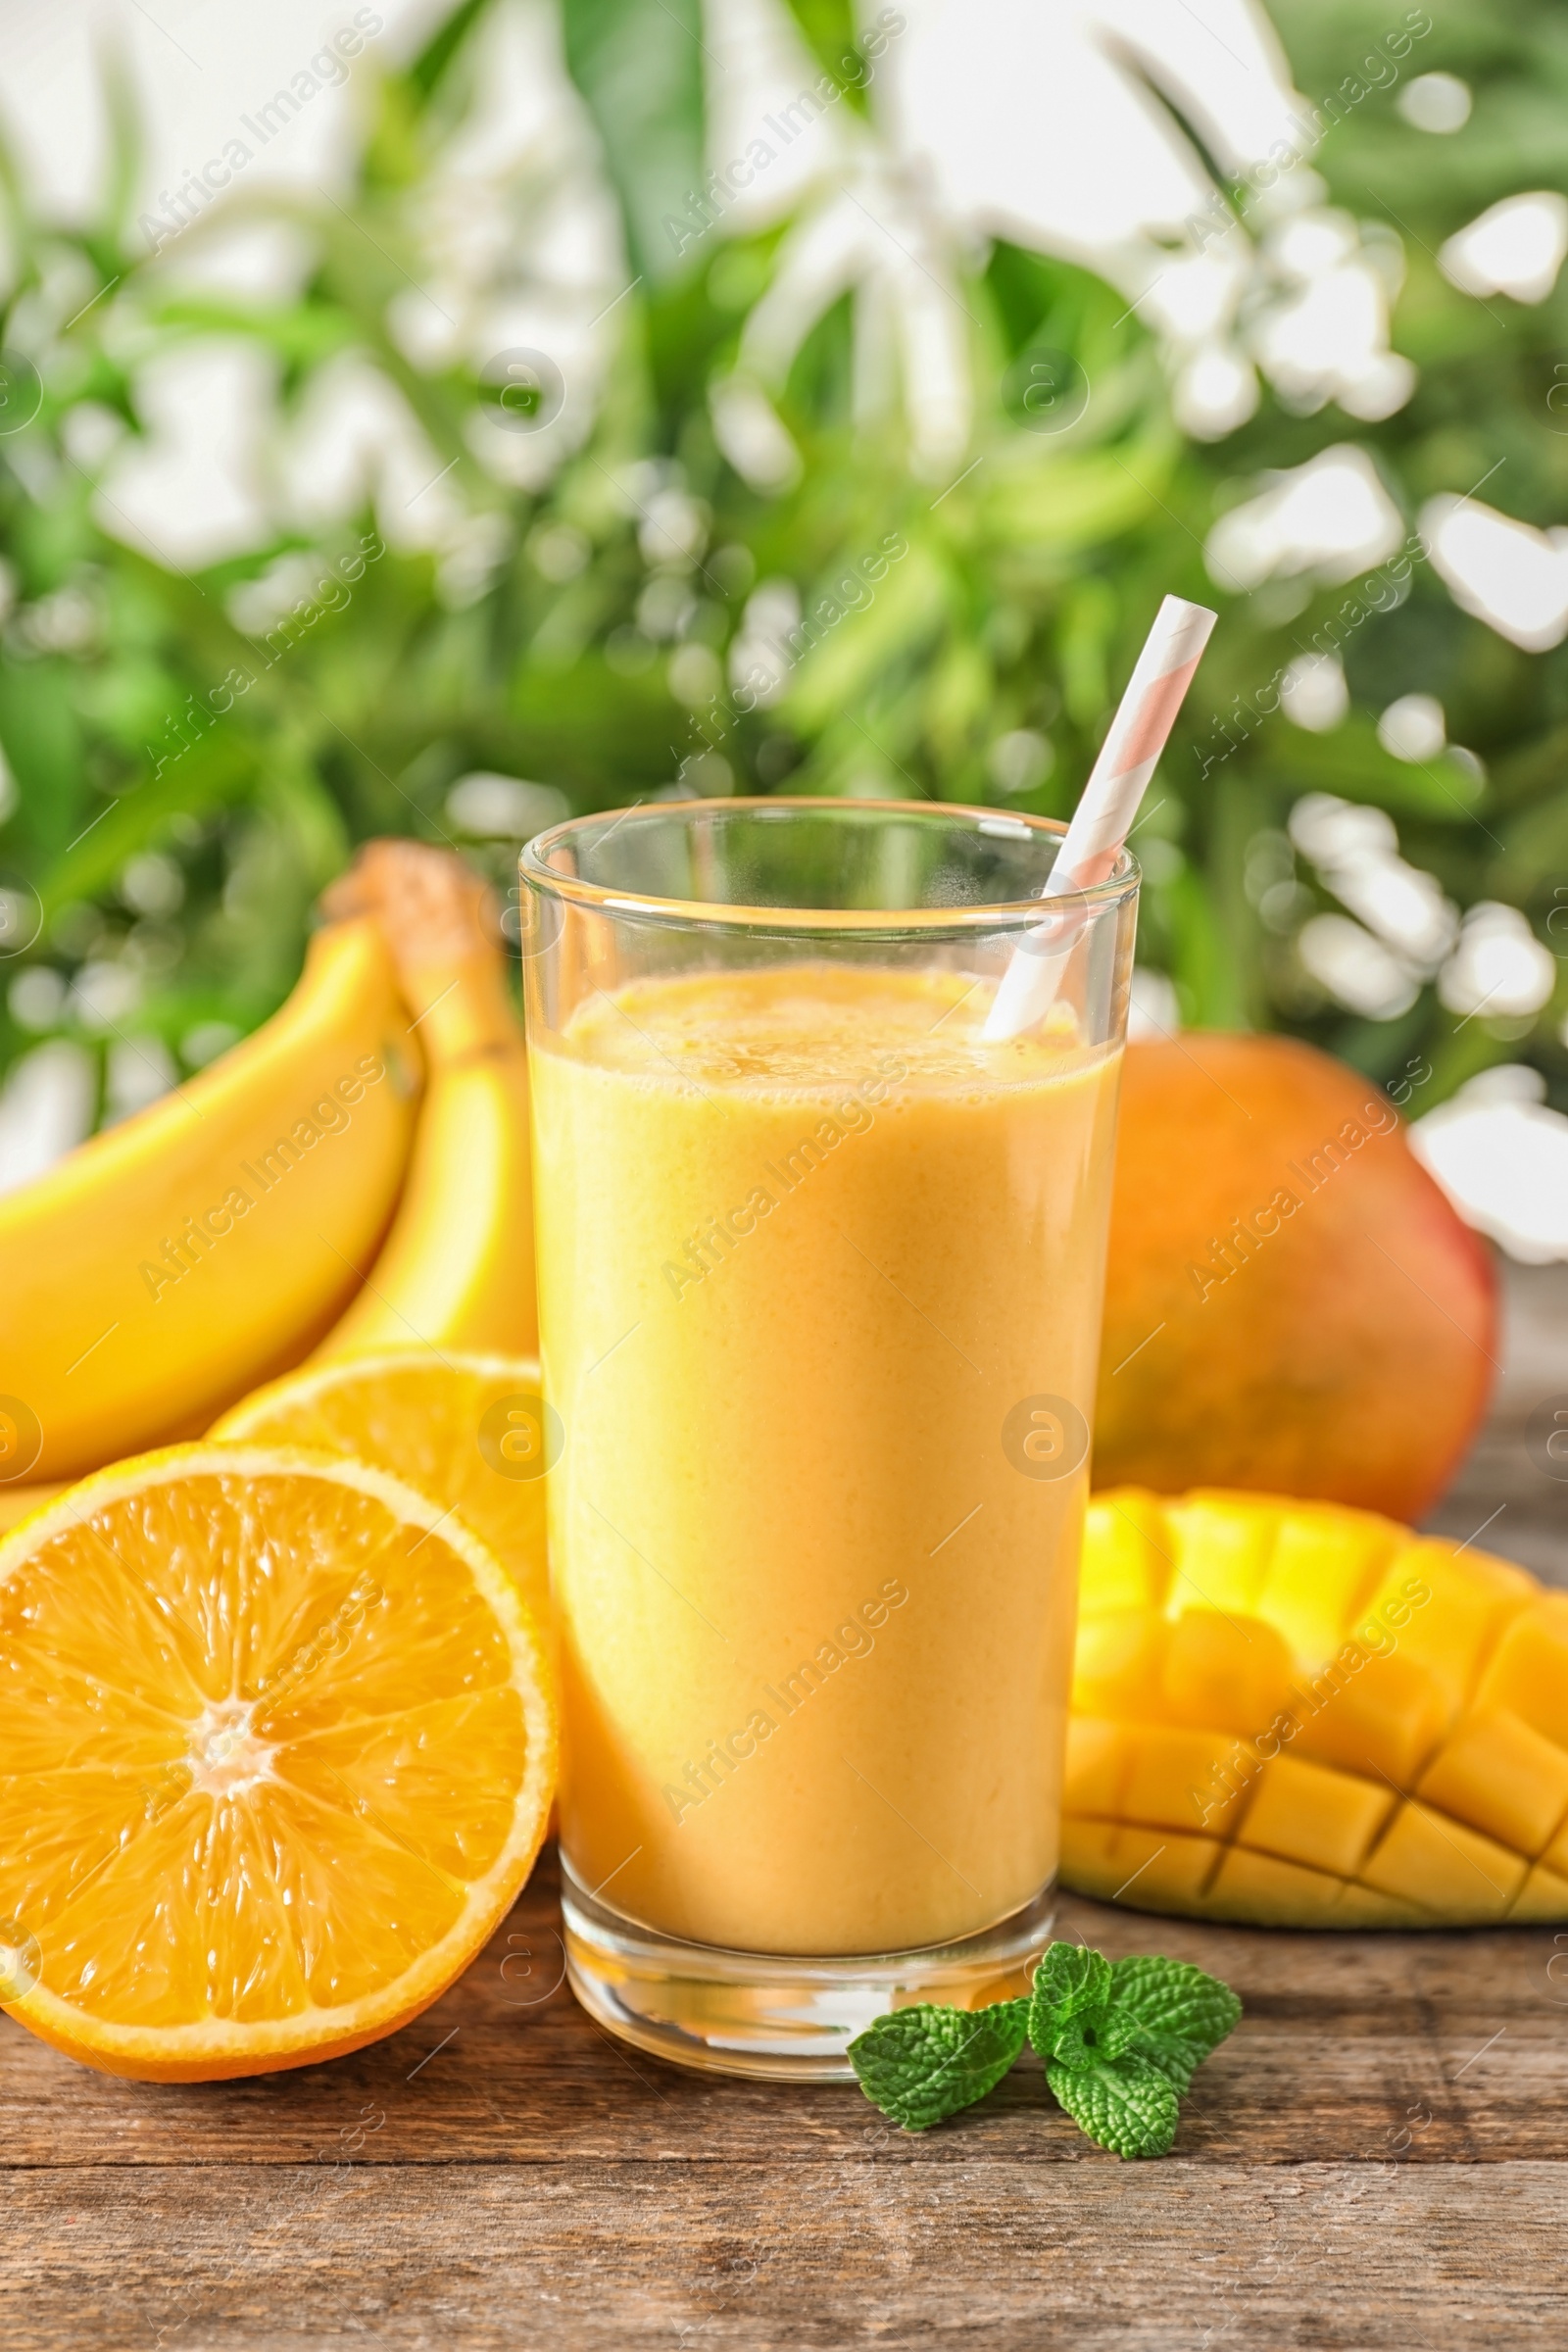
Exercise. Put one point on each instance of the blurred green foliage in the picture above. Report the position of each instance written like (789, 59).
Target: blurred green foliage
(159, 832)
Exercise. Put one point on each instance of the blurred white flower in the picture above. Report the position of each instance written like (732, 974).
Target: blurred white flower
(472, 554)
(1064, 148)
(1327, 336)
(1020, 759)
(354, 440)
(761, 657)
(46, 1109)
(997, 117)
(673, 529)
(36, 998)
(90, 432)
(666, 606)
(1507, 573)
(696, 675)
(708, 776)
(152, 884)
(1356, 850)
(1501, 1156)
(1194, 297)
(1314, 693)
(1499, 967)
(748, 432)
(1435, 102)
(560, 551)
(1515, 247)
(258, 604)
(104, 993)
(1356, 968)
(69, 622)
(879, 233)
(1214, 391)
(1305, 248)
(194, 487)
(504, 808)
(1402, 902)
(1413, 728)
(1330, 831)
(1330, 519)
(772, 139)
(1285, 907)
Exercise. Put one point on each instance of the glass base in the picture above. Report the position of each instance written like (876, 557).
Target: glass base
(768, 2014)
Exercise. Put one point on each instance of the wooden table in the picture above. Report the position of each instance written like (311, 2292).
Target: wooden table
(1377, 2158)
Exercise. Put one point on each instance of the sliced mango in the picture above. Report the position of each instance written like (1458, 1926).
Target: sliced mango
(1300, 1715)
(1127, 1555)
(1320, 1569)
(1150, 1870)
(1230, 1671)
(1095, 1773)
(1269, 1892)
(1499, 1775)
(1543, 1896)
(1368, 1907)
(1087, 1847)
(1383, 1717)
(1528, 1672)
(1555, 1856)
(1220, 1545)
(1449, 1870)
(1303, 1812)
(1182, 1780)
(1118, 1667)
(1446, 1607)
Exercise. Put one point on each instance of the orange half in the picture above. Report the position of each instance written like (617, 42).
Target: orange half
(470, 1430)
(278, 1740)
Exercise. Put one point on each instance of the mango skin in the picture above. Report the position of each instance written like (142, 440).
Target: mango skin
(1349, 1352)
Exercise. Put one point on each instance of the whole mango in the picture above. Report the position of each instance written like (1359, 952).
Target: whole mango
(1291, 1306)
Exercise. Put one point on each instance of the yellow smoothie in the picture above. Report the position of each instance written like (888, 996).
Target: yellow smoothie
(812, 1254)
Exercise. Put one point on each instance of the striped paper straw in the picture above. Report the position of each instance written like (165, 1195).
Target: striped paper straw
(1105, 815)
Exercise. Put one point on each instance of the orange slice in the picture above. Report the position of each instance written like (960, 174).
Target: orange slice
(278, 1744)
(469, 1431)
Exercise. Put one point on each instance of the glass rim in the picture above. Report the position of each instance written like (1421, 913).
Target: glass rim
(1001, 915)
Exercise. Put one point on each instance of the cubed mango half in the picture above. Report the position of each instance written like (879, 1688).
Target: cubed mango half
(1306, 1716)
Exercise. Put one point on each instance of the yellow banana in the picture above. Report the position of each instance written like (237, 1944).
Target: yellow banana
(20, 1502)
(166, 1267)
(457, 1271)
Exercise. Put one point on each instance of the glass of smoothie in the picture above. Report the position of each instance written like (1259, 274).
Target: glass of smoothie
(819, 1291)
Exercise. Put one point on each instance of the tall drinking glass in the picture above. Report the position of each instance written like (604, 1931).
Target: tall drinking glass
(819, 1292)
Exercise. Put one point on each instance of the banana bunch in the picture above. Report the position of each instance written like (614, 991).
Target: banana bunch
(457, 1268)
(354, 1175)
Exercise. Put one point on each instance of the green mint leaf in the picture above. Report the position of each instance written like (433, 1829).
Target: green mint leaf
(1073, 1978)
(919, 2065)
(1070, 1999)
(1124, 2104)
(1169, 2011)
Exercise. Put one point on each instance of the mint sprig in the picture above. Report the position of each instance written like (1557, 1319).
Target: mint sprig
(1170, 2012)
(919, 2065)
(1119, 2041)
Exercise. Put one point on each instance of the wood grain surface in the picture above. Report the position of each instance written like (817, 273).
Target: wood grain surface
(1376, 2159)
